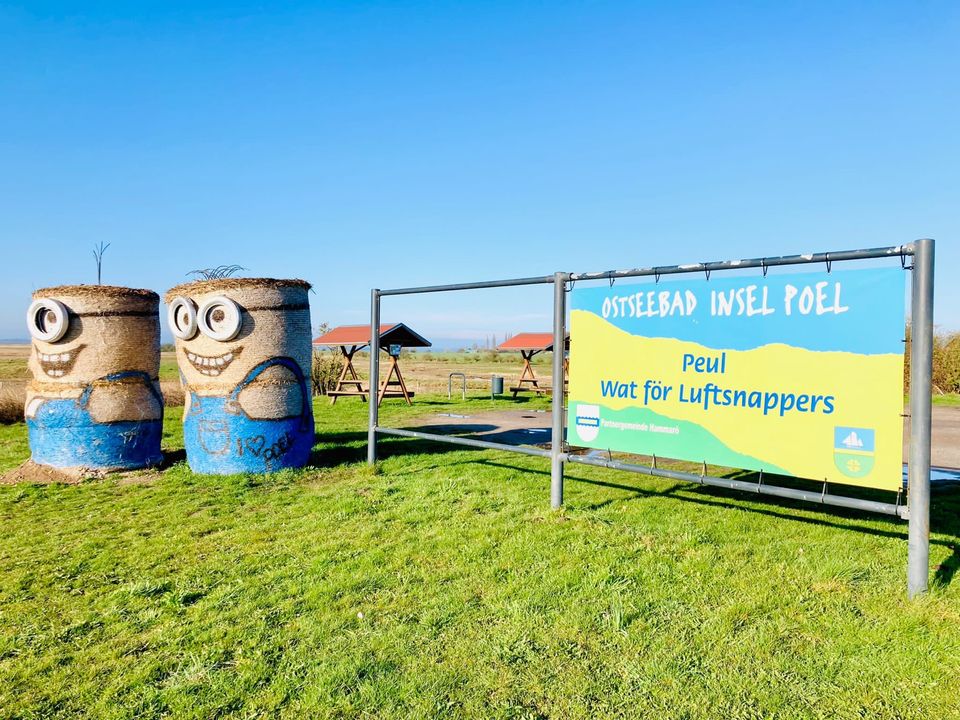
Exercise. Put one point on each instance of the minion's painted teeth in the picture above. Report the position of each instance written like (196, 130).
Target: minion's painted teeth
(212, 366)
(57, 365)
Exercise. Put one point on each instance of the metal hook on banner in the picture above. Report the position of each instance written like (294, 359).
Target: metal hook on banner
(764, 266)
(706, 271)
(653, 464)
(760, 482)
(703, 473)
(829, 262)
(903, 260)
(656, 275)
(612, 279)
(823, 493)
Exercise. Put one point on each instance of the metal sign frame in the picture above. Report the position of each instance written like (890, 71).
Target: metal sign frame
(917, 510)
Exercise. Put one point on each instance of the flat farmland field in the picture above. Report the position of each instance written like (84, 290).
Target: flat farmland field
(13, 364)
(423, 372)
(430, 372)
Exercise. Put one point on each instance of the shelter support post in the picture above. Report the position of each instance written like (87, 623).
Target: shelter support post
(556, 400)
(389, 382)
(374, 375)
(343, 381)
(527, 375)
(921, 370)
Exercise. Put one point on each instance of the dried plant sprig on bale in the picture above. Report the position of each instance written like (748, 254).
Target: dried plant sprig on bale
(98, 251)
(217, 273)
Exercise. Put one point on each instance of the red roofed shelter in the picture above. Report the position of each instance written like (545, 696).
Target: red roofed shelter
(351, 338)
(530, 344)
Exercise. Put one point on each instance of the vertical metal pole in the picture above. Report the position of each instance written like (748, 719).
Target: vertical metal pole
(374, 383)
(559, 343)
(921, 370)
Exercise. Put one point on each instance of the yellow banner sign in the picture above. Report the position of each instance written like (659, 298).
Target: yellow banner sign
(797, 374)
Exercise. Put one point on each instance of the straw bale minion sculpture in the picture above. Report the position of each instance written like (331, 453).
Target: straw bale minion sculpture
(94, 401)
(244, 351)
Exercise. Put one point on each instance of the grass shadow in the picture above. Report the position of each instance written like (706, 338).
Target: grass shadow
(945, 520)
(171, 458)
(350, 447)
(339, 448)
(944, 572)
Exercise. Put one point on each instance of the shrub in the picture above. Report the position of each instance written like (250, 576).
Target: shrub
(946, 362)
(325, 370)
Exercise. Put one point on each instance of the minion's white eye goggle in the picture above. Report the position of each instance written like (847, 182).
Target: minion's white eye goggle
(219, 318)
(182, 318)
(48, 320)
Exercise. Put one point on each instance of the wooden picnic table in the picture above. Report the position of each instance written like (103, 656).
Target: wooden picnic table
(531, 344)
(352, 338)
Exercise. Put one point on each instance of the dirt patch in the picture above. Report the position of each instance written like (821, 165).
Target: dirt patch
(31, 473)
(15, 352)
(34, 474)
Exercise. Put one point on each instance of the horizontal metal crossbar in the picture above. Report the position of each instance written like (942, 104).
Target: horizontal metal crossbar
(708, 267)
(819, 498)
(457, 440)
(748, 487)
(544, 280)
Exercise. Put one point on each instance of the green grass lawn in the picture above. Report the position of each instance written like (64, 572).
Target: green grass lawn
(443, 586)
(945, 400)
(168, 369)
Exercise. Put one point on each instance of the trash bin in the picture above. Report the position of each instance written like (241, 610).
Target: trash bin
(496, 385)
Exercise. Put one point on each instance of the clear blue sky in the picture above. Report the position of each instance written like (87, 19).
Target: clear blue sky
(384, 144)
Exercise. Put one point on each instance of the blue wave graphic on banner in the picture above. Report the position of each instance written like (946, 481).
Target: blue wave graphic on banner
(858, 311)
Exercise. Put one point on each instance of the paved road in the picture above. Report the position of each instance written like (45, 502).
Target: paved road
(946, 437)
(510, 426)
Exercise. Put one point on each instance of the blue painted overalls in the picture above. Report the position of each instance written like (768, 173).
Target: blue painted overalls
(222, 439)
(63, 434)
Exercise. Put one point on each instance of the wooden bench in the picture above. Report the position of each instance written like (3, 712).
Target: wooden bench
(364, 393)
